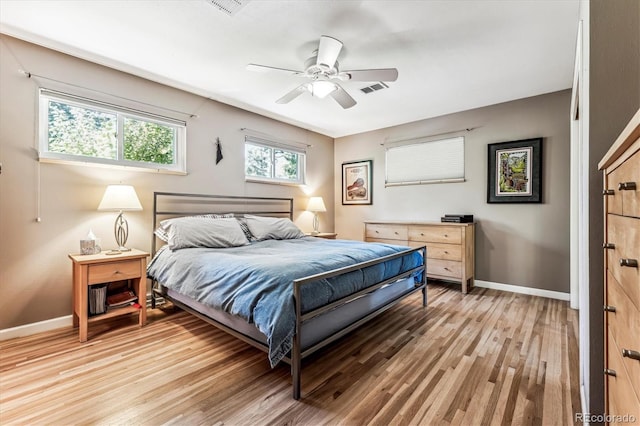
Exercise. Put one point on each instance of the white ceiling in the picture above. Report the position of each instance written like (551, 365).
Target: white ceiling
(451, 55)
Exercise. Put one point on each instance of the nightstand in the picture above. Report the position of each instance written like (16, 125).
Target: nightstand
(101, 268)
(325, 235)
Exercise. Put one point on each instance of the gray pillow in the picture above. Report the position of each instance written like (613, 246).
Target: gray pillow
(271, 228)
(162, 231)
(205, 232)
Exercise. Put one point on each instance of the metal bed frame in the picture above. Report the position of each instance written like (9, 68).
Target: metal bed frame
(265, 206)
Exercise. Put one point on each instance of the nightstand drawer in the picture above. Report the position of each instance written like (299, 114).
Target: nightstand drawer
(114, 271)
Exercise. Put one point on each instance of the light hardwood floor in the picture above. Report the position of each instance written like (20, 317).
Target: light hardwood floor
(488, 357)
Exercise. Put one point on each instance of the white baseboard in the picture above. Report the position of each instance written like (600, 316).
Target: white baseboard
(523, 290)
(36, 327)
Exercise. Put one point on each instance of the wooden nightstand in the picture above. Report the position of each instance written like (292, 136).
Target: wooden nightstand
(325, 235)
(101, 269)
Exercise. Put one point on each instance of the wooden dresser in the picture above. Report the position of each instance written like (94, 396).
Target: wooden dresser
(621, 166)
(450, 246)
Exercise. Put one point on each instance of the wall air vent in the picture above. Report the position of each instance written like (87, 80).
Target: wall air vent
(374, 87)
(230, 7)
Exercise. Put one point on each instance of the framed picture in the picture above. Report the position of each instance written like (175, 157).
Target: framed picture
(515, 172)
(356, 182)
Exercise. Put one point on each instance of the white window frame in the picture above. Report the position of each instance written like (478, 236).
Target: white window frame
(302, 158)
(424, 161)
(121, 113)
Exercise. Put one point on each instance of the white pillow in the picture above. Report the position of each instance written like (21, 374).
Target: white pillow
(205, 232)
(271, 228)
(162, 231)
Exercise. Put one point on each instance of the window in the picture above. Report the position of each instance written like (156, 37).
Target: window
(268, 161)
(81, 130)
(420, 162)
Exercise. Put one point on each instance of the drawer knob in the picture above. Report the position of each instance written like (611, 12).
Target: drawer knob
(632, 263)
(395, 232)
(609, 308)
(608, 192)
(422, 234)
(446, 236)
(627, 186)
(608, 246)
(628, 353)
(377, 232)
(610, 372)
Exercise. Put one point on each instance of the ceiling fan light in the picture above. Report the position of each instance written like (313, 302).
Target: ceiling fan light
(321, 88)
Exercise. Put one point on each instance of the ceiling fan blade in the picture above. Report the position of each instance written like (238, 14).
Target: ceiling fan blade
(293, 94)
(264, 68)
(328, 51)
(382, 74)
(342, 97)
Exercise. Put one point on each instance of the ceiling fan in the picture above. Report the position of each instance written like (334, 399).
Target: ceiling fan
(323, 70)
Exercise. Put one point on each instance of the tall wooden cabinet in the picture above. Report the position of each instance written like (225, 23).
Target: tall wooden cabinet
(621, 166)
(450, 246)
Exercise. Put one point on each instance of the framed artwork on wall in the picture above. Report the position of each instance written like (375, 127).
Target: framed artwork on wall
(356, 182)
(515, 172)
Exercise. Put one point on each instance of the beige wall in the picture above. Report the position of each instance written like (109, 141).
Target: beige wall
(517, 244)
(35, 273)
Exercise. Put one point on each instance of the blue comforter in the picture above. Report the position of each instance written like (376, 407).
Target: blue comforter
(255, 281)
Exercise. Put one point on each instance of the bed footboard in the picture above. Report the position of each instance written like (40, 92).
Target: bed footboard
(297, 354)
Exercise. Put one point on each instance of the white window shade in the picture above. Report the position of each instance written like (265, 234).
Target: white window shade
(425, 162)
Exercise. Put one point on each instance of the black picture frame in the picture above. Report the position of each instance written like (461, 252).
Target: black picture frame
(515, 171)
(357, 179)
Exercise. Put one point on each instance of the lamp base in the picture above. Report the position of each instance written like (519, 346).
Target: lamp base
(121, 248)
(314, 233)
(112, 252)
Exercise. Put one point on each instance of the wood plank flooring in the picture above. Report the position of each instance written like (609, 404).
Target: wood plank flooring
(484, 358)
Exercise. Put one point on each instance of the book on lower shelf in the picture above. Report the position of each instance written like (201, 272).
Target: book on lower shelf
(121, 299)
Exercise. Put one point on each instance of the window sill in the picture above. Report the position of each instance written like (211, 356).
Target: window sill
(111, 166)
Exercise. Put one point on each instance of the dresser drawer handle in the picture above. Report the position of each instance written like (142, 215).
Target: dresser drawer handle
(422, 234)
(627, 186)
(608, 192)
(609, 308)
(446, 236)
(395, 232)
(610, 372)
(608, 246)
(632, 263)
(628, 353)
(377, 232)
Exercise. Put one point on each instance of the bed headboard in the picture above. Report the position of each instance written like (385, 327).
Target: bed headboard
(174, 204)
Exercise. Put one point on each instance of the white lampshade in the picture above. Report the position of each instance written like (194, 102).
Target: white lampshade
(321, 88)
(316, 205)
(120, 197)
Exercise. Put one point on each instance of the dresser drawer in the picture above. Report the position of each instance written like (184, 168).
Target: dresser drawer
(444, 268)
(628, 173)
(624, 326)
(624, 233)
(388, 232)
(386, 241)
(114, 271)
(436, 234)
(439, 251)
(621, 398)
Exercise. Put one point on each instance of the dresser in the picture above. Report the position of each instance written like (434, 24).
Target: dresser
(450, 246)
(621, 167)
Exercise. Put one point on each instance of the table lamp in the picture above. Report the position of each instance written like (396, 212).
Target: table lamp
(316, 205)
(120, 198)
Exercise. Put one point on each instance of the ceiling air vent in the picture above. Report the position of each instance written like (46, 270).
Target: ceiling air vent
(230, 7)
(374, 87)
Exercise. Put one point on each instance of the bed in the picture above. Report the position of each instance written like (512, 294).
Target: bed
(241, 264)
